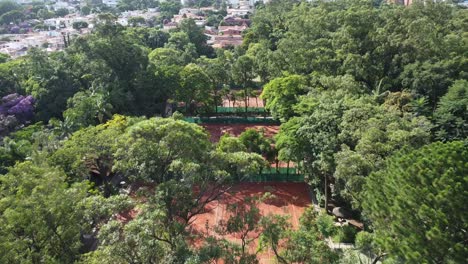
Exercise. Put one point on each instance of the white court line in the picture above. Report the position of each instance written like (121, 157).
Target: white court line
(294, 215)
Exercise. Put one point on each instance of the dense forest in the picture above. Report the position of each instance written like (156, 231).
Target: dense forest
(373, 104)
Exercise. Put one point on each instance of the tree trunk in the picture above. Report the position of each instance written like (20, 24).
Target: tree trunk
(246, 99)
(378, 258)
(281, 259)
(215, 98)
(326, 193)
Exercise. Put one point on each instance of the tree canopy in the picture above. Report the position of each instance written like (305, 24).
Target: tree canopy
(411, 204)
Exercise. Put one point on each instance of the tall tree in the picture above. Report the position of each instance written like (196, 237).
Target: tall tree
(281, 94)
(40, 215)
(414, 204)
(194, 88)
(451, 115)
(243, 74)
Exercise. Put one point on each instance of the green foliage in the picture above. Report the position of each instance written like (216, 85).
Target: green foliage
(413, 204)
(13, 17)
(79, 25)
(281, 94)
(4, 58)
(128, 5)
(326, 225)
(274, 231)
(7, 6)
(50, 82)
(307, 245)
(153, 150)
(370, 133)
(170, 7)
(89, 153)
(451, 115)
(195, 36)
(255, 141)
(387, 47)
(194, 86)
(41, 217)
(353, 82)
(86, 109)
(243, 223)
(136, 21)
(345, 234)
(18, 146)
(10, 76)
(230, 144)
(61, 12)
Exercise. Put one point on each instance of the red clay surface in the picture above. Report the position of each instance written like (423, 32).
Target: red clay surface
(217, 130)
(290, 199)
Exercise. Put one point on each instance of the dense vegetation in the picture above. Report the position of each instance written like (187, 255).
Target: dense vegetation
(373, 102)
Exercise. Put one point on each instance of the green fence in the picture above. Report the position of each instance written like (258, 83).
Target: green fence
(222, 109)
(273, 170)
(232, 120)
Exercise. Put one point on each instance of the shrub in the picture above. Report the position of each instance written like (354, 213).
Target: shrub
(345, 234)
(326, 225)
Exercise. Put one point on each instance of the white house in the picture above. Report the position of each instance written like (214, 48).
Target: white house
(110, 3)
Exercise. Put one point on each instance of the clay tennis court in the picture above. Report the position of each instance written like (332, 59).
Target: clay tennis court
(251, 102)
(290, 199)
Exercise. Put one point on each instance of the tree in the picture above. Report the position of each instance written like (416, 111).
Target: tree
(178, 157)
(255, 141)
(128, 5)
(196, 36)
(85, 10)
(243, 223)
(79, 25)
(152, 149)
(14, 16)
(451, 115)
(17, 146)
(281, 94)
(230, 144)
(15, 110)
(166, 63)
(41, 217)
(115, 62)
(170, 7)
(302, 245)
(151, 37)
(88, 153)
(44, 14)
(312, 140)
(370, 133)
(274, 232)
(50, 82)
(195, 87)
(128, 242)
(243, 74)
(61, 12)
(136, 21)
(218, 75)
(4, 58)
(413, 204)
(88, 108)
(7, 6)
